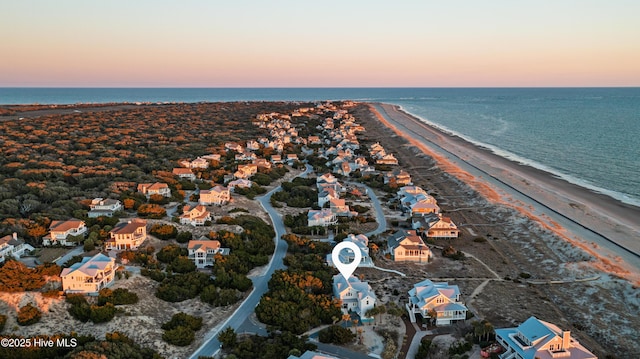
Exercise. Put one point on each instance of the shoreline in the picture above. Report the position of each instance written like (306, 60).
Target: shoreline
(602, 226)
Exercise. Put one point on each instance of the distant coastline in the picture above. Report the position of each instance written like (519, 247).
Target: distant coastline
(599, 223)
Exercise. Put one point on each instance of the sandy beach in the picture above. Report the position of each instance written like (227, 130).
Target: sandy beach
(605, 228)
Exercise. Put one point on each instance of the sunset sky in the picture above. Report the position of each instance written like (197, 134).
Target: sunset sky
(348, 43)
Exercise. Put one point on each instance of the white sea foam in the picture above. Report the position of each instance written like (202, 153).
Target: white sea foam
(622, 197)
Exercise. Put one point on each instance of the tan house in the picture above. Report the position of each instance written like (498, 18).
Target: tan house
(149, 189)
(218, 195)
(408, 246)
(443, 227)
(195, 215)
(202, 252)
(245, 171)
(424, 207)
(88, 276)
(127, 235)
(59, 231)
(199, 162)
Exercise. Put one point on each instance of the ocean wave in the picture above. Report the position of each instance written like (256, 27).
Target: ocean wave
(622, 197)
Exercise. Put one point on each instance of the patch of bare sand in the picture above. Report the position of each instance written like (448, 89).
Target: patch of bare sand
(141, 321)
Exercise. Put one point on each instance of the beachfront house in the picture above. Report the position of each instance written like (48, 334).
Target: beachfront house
(104, 207)
(218, 195)
(127, 235)
(535, 338)
(436, 300)
(442, 227)
(149, 189)
(64, 232)
(355, 296)
(12, 246)
(407, 246)
(88, 276)
(196, 215)
(202, 252)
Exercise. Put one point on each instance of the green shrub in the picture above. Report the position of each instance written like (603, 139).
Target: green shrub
(28, 315)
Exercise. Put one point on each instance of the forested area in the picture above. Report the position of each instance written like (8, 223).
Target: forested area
(52, 164)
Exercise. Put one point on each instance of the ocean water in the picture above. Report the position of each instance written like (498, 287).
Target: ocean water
(588, 136)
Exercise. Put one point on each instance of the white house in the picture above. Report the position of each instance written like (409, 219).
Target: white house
(59, 231)
(355, 296)
(88, 276)
(539, 339)
(442, 227)
(322, 218)
(362, 242)
(11, 245)
(149, 189)
(218, 195)
(202, 252)
(127, 235)
(429, 298)
(196, 215)
(104, 207)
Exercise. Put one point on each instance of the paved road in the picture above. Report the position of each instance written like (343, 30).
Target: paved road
(380, 218)
(241, 320)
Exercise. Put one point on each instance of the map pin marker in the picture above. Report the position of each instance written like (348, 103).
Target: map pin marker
(346, 269)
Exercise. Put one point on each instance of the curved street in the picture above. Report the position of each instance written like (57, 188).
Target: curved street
(240, 320)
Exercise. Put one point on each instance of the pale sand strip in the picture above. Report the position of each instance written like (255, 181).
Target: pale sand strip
(602, 226)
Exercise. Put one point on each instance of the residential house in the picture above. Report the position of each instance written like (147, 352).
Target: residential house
(322, 218)
(276, 159)
(59, 232)
(212, 157)
(202, 252)
(535, 338)
(325, 195)
(397, 177)
(314, 140)
(387, 159)
(104, 207)
(90, 275)
(355, 296)
(408, 246)
(346, 255)
(11, 245)
(442, 227)
(437, 299)
(218, 195)
(232, 146)
(261, 163)
(196, 215)
(252, 145)
(246, 171)
(149, 189)
(239, 183)
(344, 169)
(200, 162)
(186, 173)
(127, 235)
(339, 207)
(424, 207)
(291, 158)
(245, 156)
